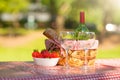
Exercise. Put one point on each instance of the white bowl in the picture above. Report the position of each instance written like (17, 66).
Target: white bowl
(46, 61)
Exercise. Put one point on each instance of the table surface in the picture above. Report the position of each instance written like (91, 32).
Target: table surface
(105, 69)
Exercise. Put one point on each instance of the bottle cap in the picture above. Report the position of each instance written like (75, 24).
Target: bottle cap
(82, 17)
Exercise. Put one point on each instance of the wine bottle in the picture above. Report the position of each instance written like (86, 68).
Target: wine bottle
(82, 26)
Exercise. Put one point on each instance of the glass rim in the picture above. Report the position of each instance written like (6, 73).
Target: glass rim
(88, 32)
(78, 32)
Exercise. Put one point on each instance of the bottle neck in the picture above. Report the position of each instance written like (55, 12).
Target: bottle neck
(82, 26)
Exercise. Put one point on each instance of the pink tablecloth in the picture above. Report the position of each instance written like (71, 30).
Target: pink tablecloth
(105, 69)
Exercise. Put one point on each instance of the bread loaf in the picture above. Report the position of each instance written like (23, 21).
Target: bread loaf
(51, 34)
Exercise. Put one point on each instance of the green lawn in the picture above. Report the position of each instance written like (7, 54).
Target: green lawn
(109, 53)
(21, 53)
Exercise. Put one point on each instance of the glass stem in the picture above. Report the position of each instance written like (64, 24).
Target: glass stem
(86, 62)
(66, 59)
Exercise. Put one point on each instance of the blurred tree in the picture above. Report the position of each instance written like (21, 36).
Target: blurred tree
(58, 9)
(108, 9)
(14, 7)
(79, 5)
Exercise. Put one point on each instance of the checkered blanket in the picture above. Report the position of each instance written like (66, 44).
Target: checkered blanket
(105, 69)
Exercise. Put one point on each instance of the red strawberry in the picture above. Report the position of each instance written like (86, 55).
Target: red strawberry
(36, 54)
(54, 55)
(40, 56)
(45, 53)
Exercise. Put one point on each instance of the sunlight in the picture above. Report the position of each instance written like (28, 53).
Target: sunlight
(116, 3)
(111, 27)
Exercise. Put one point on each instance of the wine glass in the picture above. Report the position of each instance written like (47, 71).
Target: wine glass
(87, 41)
(67, 41)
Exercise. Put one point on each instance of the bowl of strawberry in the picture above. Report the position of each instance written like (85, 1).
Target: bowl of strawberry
(45, 58)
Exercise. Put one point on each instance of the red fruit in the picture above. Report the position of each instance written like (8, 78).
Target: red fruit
(40, 56)
(45, 53)
(36, 54)
(54, 55)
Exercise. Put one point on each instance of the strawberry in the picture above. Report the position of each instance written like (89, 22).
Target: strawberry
(36, 54)
(45, 53)
(54, 55)
(40, 56)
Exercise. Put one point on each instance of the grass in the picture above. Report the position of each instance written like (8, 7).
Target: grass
(21, 53)
(109, 53)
